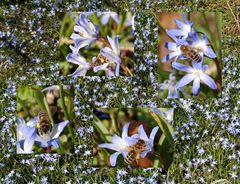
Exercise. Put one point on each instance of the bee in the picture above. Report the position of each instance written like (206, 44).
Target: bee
(44, 125)
(190, 53)
(134, 152)
(100, 59)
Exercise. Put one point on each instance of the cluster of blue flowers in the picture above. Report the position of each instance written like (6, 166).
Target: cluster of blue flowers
(86, 33)
(189, 45)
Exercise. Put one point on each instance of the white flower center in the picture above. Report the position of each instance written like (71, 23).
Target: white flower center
(200, 46)
(197, 73)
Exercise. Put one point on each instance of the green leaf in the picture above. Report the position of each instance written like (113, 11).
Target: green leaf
(165, 127)
(104, 133)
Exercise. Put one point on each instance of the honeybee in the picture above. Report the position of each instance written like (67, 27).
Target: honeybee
(190, 53)
(134, 152)
(99, 60)
(44, 125)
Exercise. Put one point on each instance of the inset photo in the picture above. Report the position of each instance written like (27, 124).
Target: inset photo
(189, 55)
(97, 44)
(44, 123)
(133, 138)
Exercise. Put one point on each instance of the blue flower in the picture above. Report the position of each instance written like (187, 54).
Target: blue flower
(50, 139)
(186, 29)
(107, 15)
(83, 65)
(202, 45)
(25, 137)
(29, 130)
(85, 33)
(170, 85)
(112, 55)
(195, 74)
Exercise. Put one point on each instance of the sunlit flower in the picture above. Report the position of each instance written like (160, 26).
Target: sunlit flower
(186, 29)
(195, 74)
(85, 33)
(50, 139)
(25, 137)
(112, 55)
(107, 15)
(148, 140)
(202, 45)
(83, 65)
(118, 144)
(177, 53)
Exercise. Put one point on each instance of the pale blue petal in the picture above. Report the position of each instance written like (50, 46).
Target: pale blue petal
(181, 67)
(208, 81)
(196, 86)
(115, 18)
(169, 56)
(109, 146)
(117, 69)
(100, 67)
(181, 25)
(153, 134)
(54, 142)
(142, 133)
(105, 18)
(175, 32)
(130, 140)
(58, 128)
(29, 141)
(108, 53)
(33, 122)
(125, 130)
(80, 71)
(76, 59)
(170, 46)
(113, 158)
(204, 68)
(210, 53)
(117, 140)
(110, 72)
(185, 80)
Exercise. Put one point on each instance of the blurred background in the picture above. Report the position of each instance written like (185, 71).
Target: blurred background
(124, 30)
(204, 23)
(60, 101)
(108, 122)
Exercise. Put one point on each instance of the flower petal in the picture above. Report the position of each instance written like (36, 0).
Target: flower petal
(130, 140)
(184, 27)
(210, 53)
(29, 141)
(113, 158)
(208, 81)
(54, 142)
(105, 18)
(185, 80)
(142, 133)
(76, 59)
(51, 88)
(109, 146)
(182, 67)
(169, 56)
(170, 46)
(115, 17)
(153, 133)
(125, 130)
(196, 86)
(58, 128)
(100, 67)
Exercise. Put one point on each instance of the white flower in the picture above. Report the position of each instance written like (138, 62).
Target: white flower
(83, 65)
(118, 144)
